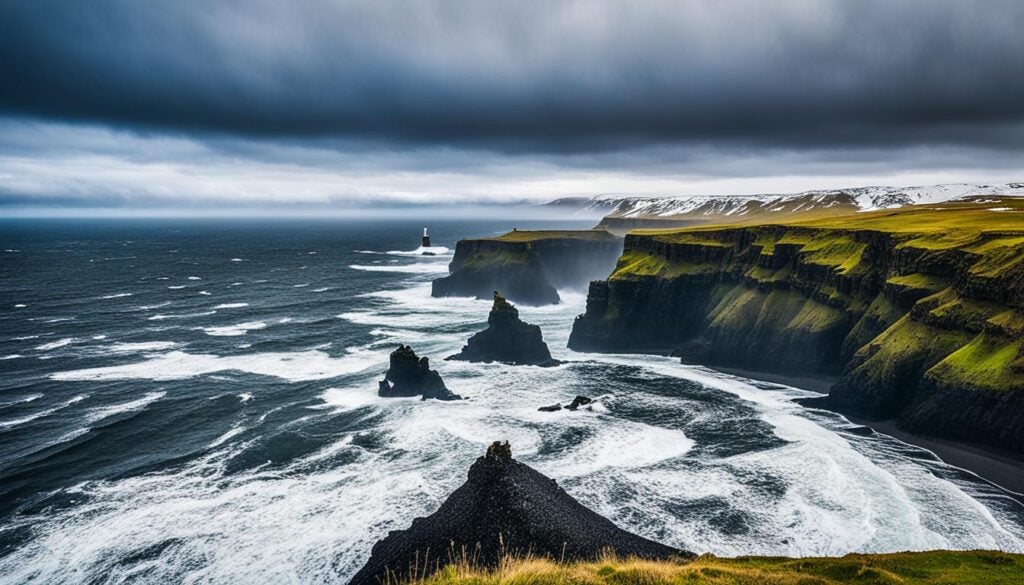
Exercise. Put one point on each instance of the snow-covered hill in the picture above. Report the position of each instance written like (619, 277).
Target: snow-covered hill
(736, 206)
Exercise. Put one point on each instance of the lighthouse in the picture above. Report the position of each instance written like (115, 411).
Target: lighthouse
(426, 239)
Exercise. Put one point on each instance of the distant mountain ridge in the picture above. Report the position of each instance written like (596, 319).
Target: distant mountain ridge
(633, 211)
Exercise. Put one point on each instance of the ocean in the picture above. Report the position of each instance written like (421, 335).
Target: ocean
(196, 401)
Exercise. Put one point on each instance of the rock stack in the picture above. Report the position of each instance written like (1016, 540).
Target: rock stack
(504, 508)
(507, 339)
(410, 375)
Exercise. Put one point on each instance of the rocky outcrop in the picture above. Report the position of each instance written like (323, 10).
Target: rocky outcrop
(507, 339)
(529, 267)
(574, 405)
(504, 507)
(923, 327)
(410, 375)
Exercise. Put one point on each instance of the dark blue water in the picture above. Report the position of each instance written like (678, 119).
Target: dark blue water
(196, 401)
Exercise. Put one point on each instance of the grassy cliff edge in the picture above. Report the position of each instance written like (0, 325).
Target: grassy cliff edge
(920, 310)
(924, 568)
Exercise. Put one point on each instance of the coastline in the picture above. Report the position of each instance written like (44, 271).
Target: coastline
(1003, 469)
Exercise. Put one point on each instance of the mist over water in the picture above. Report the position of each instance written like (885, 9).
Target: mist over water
(197, 402)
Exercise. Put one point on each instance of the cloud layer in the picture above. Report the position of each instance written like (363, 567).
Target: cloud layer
(353, 96)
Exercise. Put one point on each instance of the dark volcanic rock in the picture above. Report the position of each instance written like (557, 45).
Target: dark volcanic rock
(504, 507)
(578, 402)
(409, 375)
(507, 339)
(575, 404)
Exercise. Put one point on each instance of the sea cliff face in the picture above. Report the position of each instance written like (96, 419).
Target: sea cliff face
(920, 320)
(528, 267)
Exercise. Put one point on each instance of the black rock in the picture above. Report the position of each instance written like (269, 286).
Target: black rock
(503, 508)
(553, 408)
(578, 402)
(410, 375)
(507, 339)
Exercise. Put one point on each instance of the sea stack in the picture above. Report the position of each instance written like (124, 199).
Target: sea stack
(504, 508)
(426, 239)
(410, 375)
(507, 339)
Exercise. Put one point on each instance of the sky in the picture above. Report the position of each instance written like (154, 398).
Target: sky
(327, 105)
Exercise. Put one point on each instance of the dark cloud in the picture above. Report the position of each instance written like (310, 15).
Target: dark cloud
(527, 76)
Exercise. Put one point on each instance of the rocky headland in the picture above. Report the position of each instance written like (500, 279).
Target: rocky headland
(504, 508)
(919, 311)
(410, 375)
(529, 267)
(507, 339)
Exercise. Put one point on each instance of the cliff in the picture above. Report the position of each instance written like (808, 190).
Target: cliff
(918, 311)
(504, 507)
(507, 339)
(529, 266)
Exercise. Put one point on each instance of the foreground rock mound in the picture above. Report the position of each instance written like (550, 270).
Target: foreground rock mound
(410, 375)
(507, 339)
(504, 507)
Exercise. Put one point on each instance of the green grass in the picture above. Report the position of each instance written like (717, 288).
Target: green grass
(924, 568)
(536, 235)
(983, 363)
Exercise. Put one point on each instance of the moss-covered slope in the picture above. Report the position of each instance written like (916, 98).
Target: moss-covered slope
(528, 267)
(920, 311)
(923, 568)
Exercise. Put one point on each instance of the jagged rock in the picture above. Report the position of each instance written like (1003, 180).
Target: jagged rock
(575, 404)
(504, 507)
(578, 402)
(507, 339)
(410, 375)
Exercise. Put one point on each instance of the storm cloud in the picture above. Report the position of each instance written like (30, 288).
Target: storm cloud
(498, 88)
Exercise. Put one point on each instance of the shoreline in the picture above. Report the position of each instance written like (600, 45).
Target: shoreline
(1004, 470)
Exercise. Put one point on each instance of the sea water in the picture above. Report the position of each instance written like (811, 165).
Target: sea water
(196, 402)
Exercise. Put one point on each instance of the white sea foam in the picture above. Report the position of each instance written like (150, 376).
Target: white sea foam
(177, 286)
(205, 293)
(234, 330)
(422, 251)
(417, 268)
(161, 317)
(7, 424)
(237, 260)
(99, 337)
(56, 344)
(290, 366)
(320, 290)
(142, 346)
(194, 278)
(116, 296)
(231, 306)
(19, 306)
(234, 432)
(303, 285)
(245, 397)
(99, 413)
(22, 400)
(11, 356)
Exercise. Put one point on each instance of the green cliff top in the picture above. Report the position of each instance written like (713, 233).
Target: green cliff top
(537, 235)
(940, 225)
(926, 568)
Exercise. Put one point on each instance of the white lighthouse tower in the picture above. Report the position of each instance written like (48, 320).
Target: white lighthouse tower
(426, 239)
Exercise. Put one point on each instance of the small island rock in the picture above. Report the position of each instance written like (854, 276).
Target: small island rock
(507, 339)
(410, 375)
